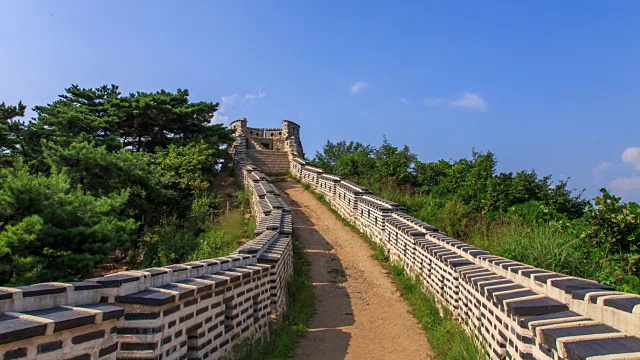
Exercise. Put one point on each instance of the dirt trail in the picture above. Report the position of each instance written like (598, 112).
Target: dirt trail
(359, 312)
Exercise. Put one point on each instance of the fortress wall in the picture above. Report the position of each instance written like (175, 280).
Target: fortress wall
(195, 310)
(516, 311)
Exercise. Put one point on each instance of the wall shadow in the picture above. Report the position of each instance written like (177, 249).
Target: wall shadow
(333, 308)
(326, 344)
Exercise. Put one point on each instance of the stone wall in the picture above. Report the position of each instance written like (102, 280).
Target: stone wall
(514, 310)
(286, 138)
(195, 310)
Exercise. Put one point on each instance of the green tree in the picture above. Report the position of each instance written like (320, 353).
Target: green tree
(52, 231)
(10, 130)
(332, 152)
(394, 163)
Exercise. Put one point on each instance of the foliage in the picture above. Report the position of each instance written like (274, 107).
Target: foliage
(522, 216)
(446, 336)
(51, 230)
(97, 171)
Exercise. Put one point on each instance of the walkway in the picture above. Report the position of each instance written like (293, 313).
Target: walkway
(359, 312)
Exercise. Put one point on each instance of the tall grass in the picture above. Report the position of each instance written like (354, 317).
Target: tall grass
(446, 336)
(551, 245)
(224, 236)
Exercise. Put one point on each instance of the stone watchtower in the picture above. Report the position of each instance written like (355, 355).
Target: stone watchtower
(270, 149)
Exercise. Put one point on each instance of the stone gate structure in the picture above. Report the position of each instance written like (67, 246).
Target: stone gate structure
(270, 149)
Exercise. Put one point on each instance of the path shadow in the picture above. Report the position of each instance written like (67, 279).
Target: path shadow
(333, 308)
(327, 344)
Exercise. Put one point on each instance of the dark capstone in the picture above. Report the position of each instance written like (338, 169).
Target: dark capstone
(41, 289)
(15, 353)
(549, 336)
(524, 321)
(183, 291)
(544, 278)
(63, 318)
(79, 339)
(147, 297)
(49, 346)
(571, 285)
(532, 271)
(194, 265)
(115, 280)
(142, 316)
(249, 250)
(491, 291)
(476, 280)
(156, 271)
(14, 329)
(233, 277)
(582, 293)
(516, 269)
(509, 264)
(5, 295)
(501, 298)
(539, 306)
(109, 312)
(499, 261)
(108, 350)
(85, 285)
(624, 304)
(495, 282)
(125, 346)
(459, 263)
(177, 268)
(580, 350)
(200, 286)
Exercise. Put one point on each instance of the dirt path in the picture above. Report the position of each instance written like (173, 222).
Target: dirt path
(359, 312)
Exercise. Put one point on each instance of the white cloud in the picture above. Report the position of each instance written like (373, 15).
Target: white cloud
(433, 101)
(470, 101)
(233, 104)
(627, 186)
(631, 155)
(259, 94)
(358, 87)
(226, 104)
(600, 171)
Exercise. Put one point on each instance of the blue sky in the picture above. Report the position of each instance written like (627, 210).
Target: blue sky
(546, 85)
